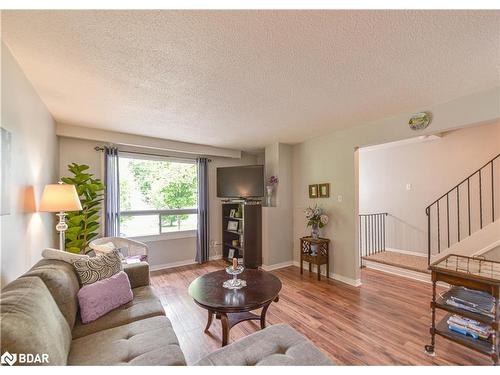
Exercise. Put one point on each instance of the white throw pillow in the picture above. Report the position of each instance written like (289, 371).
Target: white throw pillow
(105, 248)
(62, 255)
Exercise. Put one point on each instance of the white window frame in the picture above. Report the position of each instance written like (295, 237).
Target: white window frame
(180, 211)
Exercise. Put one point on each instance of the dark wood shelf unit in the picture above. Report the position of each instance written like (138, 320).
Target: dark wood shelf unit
(472, 273)
(482, 346)
(249, 233)
(441, 304)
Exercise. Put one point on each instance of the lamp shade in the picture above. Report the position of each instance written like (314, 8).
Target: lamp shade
(60, 197)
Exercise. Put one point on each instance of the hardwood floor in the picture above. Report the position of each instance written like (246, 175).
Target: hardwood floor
(383, 322)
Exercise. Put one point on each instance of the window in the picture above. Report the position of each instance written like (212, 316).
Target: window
(157, 196)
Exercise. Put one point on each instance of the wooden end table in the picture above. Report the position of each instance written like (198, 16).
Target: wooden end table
(233, 306)
(320, 257)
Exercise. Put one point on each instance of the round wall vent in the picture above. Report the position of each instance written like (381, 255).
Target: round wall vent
(420, 121)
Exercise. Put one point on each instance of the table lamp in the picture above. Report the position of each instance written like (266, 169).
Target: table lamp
(60, 198)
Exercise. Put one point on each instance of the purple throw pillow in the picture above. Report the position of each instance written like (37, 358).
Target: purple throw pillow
(101, 297)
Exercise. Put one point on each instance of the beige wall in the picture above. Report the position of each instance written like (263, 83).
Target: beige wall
(277, 220)
(162, 252)
(431, 168)
(331, 158)
(24, 232)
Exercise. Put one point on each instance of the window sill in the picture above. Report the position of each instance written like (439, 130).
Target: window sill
(166, 236)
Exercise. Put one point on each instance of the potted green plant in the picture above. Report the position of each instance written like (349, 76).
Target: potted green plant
(83, 225)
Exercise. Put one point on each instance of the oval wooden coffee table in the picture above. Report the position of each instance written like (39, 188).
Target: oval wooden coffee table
(234, 306)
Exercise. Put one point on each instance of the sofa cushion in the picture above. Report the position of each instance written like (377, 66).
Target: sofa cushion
(138, 274)
(62, 282)
(145, 304)
(278, 345)
(98, 268)
(32, 323)
(145, 342)
(103, 296)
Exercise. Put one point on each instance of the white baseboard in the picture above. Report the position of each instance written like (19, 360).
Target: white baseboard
(334, 276)
(187, 262)
(419, 276)
(276, 266)
(406, 252)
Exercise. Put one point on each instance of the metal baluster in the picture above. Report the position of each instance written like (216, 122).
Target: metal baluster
(448, 216)
(458, 214)
(384, 230)
(366, 237)
(492, 194)
(372, 229)
(360, 243)
(468, 201)
(439, 230)
(480, 202)
(428, 212)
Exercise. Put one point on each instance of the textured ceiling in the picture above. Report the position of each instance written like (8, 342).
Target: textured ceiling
(244, 79)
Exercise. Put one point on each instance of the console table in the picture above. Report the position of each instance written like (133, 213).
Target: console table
(315, 251)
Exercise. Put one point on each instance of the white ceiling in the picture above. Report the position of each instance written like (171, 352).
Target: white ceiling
(244, 79)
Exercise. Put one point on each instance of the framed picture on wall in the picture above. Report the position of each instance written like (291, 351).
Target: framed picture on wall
(232, 225)
(313, 191)
(324, 190)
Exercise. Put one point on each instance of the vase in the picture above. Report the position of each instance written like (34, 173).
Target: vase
(315, 231)
(269, 195)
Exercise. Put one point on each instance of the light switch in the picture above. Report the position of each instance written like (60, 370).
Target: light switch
(408, 186)
(339, 198)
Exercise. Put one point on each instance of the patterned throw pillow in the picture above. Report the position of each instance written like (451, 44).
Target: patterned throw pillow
(98, 268)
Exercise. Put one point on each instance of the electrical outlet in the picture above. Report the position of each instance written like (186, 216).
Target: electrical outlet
(339, 198)
(408, 186)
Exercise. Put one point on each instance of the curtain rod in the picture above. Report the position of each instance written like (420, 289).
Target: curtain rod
(97, 148)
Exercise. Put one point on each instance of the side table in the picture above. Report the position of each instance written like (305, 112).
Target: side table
(315, 251)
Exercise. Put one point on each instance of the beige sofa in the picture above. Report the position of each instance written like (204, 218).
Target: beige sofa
(39, 315)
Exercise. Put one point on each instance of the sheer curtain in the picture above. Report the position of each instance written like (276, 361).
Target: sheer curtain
(202, 243)
(112, 197)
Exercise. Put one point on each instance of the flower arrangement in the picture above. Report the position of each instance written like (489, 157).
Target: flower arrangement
(272, 181)
(315, 217)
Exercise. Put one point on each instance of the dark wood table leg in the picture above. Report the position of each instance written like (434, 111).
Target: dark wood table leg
(209, 321)
(301, 272)
(319, 272)
(327, 268)
(225, 328)
(310, 267)
(263, 316)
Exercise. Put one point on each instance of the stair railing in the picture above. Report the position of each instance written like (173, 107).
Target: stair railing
(453, 199)
(371, 234)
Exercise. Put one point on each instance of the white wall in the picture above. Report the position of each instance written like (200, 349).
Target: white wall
(24, 232)
(162, 252)
(331, 158)
(431, 168)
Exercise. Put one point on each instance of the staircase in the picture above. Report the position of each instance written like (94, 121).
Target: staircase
(470, 208)
(462, 221)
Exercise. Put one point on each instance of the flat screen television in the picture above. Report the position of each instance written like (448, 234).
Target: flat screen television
(240, 182)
